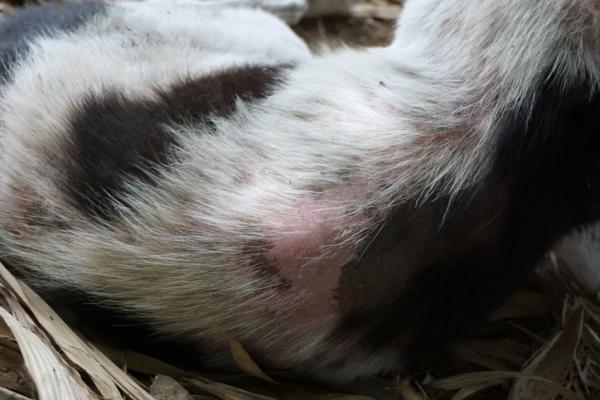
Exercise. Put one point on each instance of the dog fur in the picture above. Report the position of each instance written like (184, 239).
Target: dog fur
(198, 170)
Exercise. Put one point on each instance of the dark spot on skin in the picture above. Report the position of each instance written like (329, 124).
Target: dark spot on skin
(27, 24)
(115, 140)
(29, 213)
(36, 215)
(424, 283)
(264, 265)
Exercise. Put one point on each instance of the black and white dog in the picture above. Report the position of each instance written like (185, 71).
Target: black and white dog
(197, 170)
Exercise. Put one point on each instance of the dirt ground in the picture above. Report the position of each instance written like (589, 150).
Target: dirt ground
(372, 27)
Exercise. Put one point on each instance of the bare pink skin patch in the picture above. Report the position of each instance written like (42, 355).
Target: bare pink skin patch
(305, 253)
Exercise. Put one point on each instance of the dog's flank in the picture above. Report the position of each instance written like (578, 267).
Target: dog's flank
(329, 212)
(114, 140)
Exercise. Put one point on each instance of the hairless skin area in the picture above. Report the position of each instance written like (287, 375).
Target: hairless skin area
(176, 171)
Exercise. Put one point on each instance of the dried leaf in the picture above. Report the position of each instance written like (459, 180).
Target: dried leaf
(244, 361)
(469, 391)
(552, 363)
(142, 363)
(6, 394)
(408, 392)
(458, 382)
(105, 374)
(52, 379)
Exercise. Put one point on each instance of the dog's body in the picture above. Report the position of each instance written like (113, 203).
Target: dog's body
(198, 170)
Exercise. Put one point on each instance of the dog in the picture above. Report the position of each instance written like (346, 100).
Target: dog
(196, 171)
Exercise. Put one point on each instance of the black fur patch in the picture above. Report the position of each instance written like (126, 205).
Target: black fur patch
(115, 140)
(441, 279)
(19, 29)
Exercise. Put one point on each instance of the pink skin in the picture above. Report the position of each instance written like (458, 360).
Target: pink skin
(305, 255)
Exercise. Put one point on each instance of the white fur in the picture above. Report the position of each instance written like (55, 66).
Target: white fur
(580, 258)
